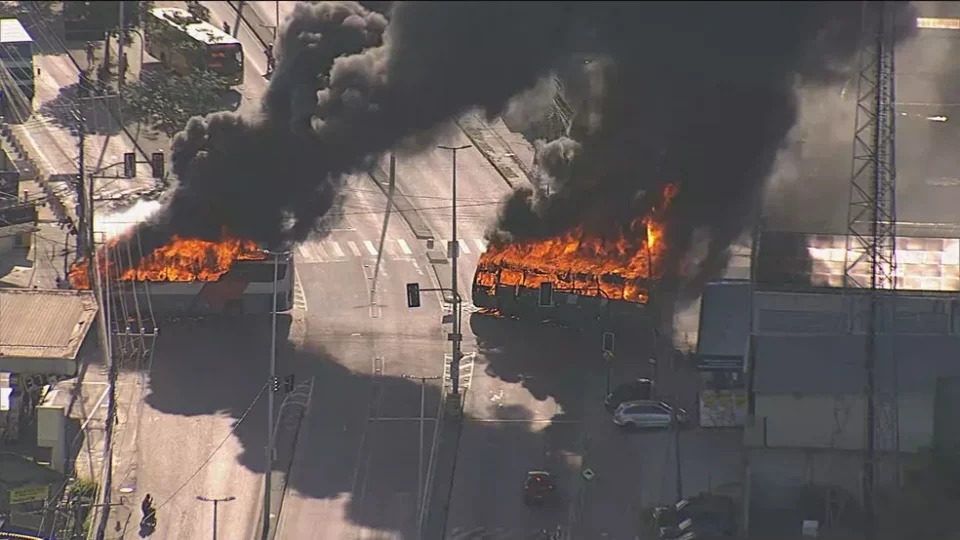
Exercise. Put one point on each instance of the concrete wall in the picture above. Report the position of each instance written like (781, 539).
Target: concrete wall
(818, 421)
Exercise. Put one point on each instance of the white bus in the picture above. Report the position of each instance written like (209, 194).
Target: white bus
(215, 50)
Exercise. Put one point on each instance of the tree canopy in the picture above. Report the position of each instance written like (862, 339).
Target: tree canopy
(166, 100)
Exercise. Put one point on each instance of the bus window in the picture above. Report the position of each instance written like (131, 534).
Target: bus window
(226, 60)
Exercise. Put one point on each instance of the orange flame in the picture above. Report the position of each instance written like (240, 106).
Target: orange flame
(619, 268)
(182, 260)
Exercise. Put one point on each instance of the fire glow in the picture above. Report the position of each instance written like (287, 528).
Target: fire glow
(180, 260)
(615, 268)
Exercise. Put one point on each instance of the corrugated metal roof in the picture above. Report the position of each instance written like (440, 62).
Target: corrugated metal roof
(44, 323)
(11, 31)
(834, 364)
(724, 319)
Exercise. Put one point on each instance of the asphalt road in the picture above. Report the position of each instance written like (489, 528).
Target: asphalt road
(203, 379)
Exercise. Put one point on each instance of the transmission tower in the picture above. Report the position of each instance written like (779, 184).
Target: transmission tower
(871, 243)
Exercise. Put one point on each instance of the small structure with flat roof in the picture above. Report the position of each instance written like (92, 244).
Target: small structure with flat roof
(41, 330)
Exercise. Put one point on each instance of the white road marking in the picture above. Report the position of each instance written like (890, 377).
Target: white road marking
(353, 247)
(370, 247)
(299, 297)
(308, 254)
(337, 252)
(481, 243)
(464, 248)
(323, 252)
(404, 247)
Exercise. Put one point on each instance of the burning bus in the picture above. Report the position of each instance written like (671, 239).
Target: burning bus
(583, 277)
(190, 277)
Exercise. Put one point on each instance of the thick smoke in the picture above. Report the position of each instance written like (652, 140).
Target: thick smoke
(698, 94)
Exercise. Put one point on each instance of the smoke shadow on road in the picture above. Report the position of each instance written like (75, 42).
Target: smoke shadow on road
(218, 368)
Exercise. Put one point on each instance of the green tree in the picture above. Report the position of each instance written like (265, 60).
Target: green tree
(93, 21)
(198, 10)
(166, 100)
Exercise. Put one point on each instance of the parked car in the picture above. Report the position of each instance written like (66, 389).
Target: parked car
(647, 414)
(637, 390)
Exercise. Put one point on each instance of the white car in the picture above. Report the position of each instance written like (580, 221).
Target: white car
(647, 414)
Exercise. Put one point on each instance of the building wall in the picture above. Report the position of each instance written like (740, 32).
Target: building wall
(818, 421)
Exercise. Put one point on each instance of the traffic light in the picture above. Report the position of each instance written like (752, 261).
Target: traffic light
(289, 382)
(157, 165)
(129, 165)
(546, 294)
(413, 295)
(276, 384)
(608, 340)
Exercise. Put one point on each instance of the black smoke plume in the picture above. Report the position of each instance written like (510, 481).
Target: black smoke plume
(699, 94)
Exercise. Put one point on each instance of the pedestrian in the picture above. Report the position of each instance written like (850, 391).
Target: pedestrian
(226, 27)
(90, 58)
(146, 505)
(122, 68)
(268, 52)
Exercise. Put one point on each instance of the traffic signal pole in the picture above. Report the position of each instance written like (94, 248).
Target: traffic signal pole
(454, 249)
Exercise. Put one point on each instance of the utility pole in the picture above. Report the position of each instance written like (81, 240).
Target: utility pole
(676, 452)
(268, 468)
(121, 67)
(215, 502)
(453, 249)
(421, 488)
(81, 225)
(276, 26)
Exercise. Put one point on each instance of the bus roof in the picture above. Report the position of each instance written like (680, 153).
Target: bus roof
(201, 31)
(11, 31)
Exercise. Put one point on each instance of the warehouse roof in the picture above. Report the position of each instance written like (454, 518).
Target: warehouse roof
(834, 364)
(38, 323)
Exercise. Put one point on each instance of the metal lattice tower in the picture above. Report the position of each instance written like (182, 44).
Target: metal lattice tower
(871, 242)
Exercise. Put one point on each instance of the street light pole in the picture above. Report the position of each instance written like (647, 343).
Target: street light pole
(215, 503)
(268, 469)
(454, 250)
(276, 27)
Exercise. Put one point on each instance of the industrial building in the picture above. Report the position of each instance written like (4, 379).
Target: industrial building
(791, 334)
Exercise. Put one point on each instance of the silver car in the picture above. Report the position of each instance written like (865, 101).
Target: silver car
(647, 414)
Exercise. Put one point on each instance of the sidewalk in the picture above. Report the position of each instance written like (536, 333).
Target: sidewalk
(509, 153)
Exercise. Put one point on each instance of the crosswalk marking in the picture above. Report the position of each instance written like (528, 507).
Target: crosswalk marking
(320, 250)
(353, 247)
(307, 256)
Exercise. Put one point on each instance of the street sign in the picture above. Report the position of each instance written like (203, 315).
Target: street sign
(608, 342)
(588, 474)
(608, 356)
(454, 337)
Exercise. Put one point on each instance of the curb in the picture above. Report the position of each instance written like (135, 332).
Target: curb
(402, 204)
(478, 140)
